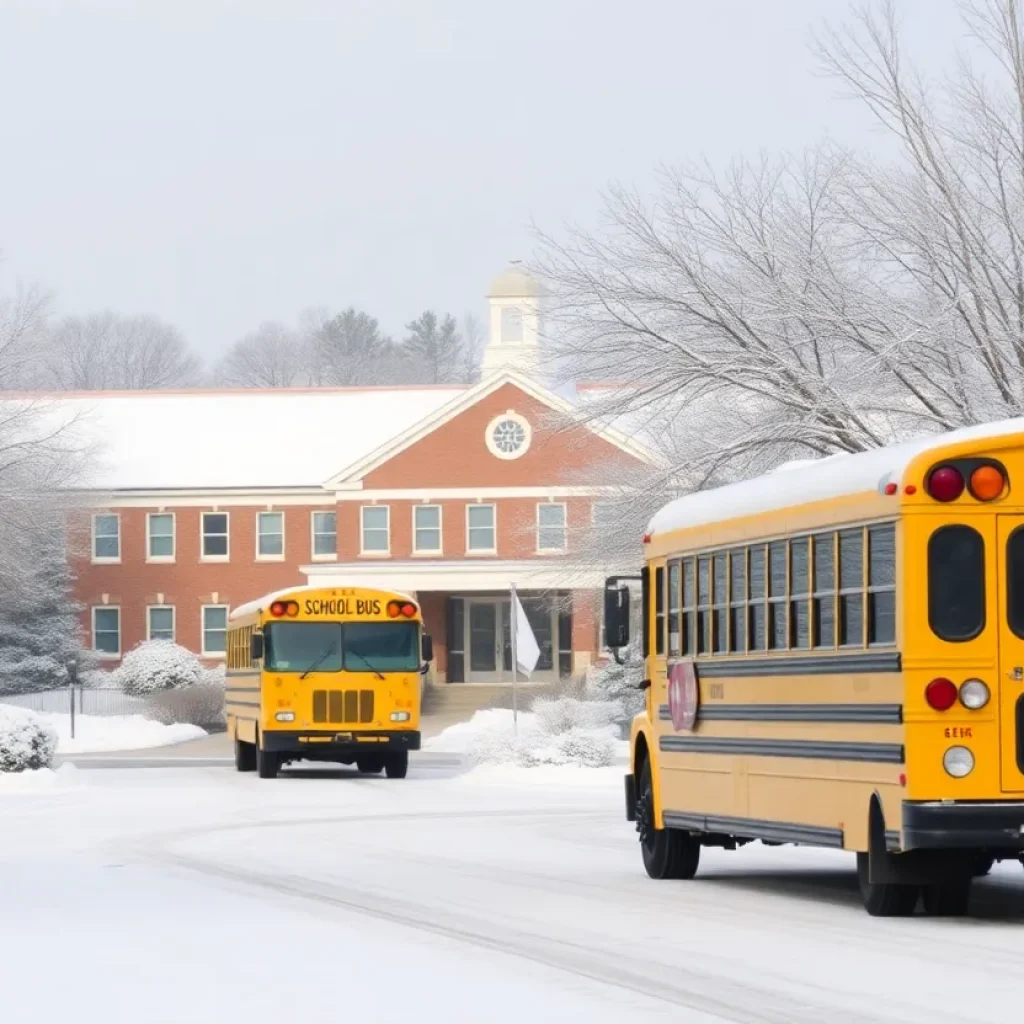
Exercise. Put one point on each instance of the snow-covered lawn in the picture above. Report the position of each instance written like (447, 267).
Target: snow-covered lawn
(40, 779)
(101, 734)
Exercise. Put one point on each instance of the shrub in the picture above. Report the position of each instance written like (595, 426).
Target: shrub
(201, 704)
(589, 748)
(27, 742)
(562, 714)
(157, 665)
(619, 685)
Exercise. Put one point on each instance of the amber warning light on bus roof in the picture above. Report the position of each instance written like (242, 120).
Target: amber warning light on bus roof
(983, 479)
(398, 609)
(280, 608)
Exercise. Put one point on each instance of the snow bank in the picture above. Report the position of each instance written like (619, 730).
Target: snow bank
(95, 734)
(555, 734)
(65, 777)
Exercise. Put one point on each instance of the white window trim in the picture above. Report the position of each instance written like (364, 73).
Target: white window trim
(565, 529)
(166, 559)
(494, 519)
(489, 436)
(362, 533)
(102, 560)
(203, 557)
(259, 516)
(107, 655)
(313, 556)
(439, 550)
(202, 631)
(166, 608)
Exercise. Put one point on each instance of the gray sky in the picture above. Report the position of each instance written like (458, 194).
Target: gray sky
(224, 162)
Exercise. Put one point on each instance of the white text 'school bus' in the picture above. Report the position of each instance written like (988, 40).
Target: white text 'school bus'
(326, 674)
(834, 656)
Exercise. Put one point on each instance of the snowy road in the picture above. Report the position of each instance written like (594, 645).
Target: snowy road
(194, 894)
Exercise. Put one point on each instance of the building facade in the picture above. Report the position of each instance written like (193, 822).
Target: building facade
(451, 495)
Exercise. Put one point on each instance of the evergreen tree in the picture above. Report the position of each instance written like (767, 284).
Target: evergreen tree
(436, 346)
(39, 632)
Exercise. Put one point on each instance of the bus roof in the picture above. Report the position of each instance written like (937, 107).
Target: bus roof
(251, 607)
(799, 483)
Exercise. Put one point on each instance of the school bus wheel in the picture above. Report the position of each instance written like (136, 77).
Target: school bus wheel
(267, 762)
(369, 765)
(245, 756)
(397, 765)
(666, 852)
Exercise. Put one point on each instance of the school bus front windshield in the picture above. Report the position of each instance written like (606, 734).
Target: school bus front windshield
(307, 647)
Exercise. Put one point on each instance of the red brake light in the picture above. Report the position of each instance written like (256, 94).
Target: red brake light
(987, 483)
(408, 610)
(941, 694)
(946, 483)
(277, 609)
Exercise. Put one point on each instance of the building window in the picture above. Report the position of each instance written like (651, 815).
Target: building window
(215, 629)
(508, 436)
(106, 631)
(325, 534)
(160, 622)
(511, 325)
(603, 515)
(426, 529)
(270, 535)
(215, 535)
(160, 536)
(480, 528)
(550, 527)
(106, 538)
(376, 529)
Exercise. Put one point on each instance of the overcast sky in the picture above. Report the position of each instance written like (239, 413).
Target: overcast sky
(224, 162)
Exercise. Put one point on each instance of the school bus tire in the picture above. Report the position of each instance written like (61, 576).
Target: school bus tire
(369, 765)
(666, 852)
(245, 756)
(268, 763)
(396, 766)
(884, 899)
(951, 899)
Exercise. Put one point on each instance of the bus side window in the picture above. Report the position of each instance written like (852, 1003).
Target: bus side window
(645, 609)
(956, 582)
(659, 611)
(674, 631)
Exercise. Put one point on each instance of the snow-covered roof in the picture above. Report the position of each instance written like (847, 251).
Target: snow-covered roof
(296, 592)
(239, 439)
(832, 477)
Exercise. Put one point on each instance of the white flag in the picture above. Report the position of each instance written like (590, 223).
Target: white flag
(527, 651)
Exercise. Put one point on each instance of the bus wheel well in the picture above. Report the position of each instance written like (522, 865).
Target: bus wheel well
(640, 755)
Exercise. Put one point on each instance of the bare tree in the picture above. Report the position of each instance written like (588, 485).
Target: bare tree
(107, 351)
(270, 357)
(23, 311)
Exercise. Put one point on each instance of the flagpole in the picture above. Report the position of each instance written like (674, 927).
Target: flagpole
(513, 624)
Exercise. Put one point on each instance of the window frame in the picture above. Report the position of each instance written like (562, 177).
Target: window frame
(847, 592)
(738, 604)
(416, 549)
(107, 655)
(105, 559)
(364, 551)
(313, 554)
(674, 566)
(493, 550)
(203, 609)
(542, 549)
(660, 612)
(150, 608)
(203, 556)
(164, 559)
(260, 557)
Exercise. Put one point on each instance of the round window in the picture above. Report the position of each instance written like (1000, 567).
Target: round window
(508, 436)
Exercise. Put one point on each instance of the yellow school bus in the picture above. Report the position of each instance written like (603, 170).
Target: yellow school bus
(834, 656)
(326, 674)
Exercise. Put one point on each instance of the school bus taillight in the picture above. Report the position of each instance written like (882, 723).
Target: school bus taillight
(987, 483)
(946, 483)
(974, 694)
(284, 608)
(401, 609)
(941, 694)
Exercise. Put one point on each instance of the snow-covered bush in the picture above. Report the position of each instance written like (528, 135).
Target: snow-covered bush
(563, 714)
(27, 742)
(201, 704)
(157, 665)
(619, 684)
(588, 748)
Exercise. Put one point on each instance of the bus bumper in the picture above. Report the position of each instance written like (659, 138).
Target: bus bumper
(997, 825)
(314, 744)
(630, 798)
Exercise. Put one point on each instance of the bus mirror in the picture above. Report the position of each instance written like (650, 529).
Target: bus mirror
(616, 616)
(256, 647)
(428, 648)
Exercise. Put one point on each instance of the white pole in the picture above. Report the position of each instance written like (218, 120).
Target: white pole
(513, 622)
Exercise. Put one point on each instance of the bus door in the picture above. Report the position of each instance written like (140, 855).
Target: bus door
(1009, 688)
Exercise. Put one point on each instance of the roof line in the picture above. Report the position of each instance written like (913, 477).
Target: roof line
(300, 390)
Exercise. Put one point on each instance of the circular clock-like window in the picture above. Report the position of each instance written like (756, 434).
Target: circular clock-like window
(508, 436)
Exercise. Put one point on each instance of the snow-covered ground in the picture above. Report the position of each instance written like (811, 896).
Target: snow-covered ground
(96, 733)
(502, 895)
